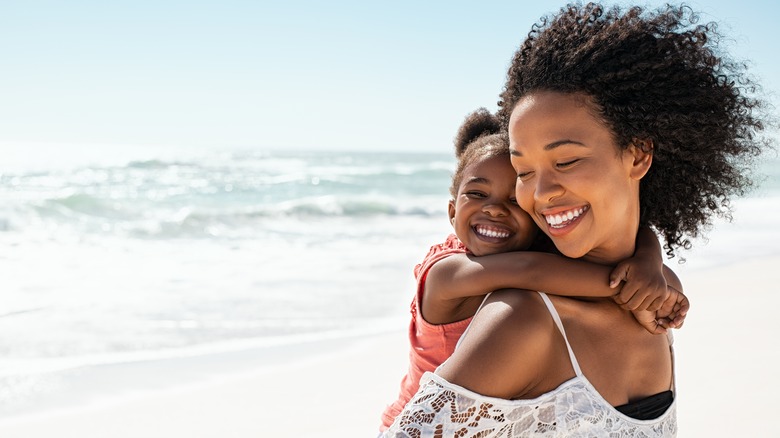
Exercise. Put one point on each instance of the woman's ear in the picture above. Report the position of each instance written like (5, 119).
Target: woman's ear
(642, 157)
(451, 211)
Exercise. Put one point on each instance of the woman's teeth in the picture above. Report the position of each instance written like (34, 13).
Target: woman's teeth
(562, 219)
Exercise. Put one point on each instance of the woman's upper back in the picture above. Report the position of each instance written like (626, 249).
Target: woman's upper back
(553, 398)
(515, 350)
(620, 358)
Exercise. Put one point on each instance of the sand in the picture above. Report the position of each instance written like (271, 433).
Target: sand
(331, 395)
(727, 357)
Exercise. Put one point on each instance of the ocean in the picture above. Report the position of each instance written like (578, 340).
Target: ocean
(116, 259)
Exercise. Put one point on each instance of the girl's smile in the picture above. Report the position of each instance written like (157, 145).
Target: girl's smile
(492, 233)
(485, 214)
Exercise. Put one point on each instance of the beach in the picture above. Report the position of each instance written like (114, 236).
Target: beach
(340, 391)
(267, 295)
(211, 212)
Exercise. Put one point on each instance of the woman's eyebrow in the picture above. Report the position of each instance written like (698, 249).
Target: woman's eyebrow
(551, 146)
(558, 143)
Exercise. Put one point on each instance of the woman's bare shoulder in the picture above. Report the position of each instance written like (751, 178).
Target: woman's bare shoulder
(619, 357)
(507, 347)
(595, 316)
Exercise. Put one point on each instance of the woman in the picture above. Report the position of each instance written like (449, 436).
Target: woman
(616, 120)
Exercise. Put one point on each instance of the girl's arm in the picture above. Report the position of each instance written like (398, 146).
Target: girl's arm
(455, 285)
(465, 275)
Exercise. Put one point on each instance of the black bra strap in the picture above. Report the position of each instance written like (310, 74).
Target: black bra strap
(648, 408)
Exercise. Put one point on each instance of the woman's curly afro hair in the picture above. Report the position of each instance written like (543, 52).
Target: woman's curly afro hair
(655, 78)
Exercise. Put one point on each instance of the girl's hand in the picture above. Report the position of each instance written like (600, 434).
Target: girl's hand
(671, 314)
(645, 285)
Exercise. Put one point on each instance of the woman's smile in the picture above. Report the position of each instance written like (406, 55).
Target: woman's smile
(562, 222)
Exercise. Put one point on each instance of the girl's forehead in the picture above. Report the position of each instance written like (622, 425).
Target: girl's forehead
(487, 170)
(485, 163)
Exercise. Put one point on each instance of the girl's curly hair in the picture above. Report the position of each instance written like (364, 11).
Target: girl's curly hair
(481, 136)
(656, 78)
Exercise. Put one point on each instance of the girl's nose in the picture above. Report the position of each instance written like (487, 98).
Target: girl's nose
(495, 209)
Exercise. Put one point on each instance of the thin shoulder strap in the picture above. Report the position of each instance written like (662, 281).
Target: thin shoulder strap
(558, 322)
(469, 326)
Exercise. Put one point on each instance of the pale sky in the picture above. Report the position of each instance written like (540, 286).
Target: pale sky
(302, 75)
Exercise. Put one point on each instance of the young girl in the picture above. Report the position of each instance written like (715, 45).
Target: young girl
(484, 255)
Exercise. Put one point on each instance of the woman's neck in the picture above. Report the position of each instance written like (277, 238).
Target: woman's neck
(613, 253)
(621, 243)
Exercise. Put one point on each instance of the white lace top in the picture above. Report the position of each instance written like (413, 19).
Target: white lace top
(574, 409)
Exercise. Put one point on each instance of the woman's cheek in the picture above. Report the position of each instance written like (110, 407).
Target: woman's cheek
(524, 195)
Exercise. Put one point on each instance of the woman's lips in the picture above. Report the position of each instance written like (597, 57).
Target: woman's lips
(562, 221)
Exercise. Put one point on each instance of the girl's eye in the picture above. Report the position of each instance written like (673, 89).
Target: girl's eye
(513, 201)
(473, 194)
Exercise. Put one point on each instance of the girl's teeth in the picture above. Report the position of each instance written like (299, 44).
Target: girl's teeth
(492, 233)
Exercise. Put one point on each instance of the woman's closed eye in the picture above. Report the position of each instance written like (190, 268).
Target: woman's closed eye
(567, 163)
(524, 175)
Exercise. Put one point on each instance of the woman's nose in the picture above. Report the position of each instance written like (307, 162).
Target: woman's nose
(547, 187)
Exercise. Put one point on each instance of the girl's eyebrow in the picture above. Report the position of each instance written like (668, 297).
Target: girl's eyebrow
(551, 146)
(477, 180)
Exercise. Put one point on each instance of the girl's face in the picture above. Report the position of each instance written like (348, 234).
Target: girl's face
(485, 214)
(573, 179)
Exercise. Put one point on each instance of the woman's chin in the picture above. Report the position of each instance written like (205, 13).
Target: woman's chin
(570, 248)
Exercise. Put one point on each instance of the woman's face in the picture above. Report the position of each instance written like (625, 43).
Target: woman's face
(580, 188)
(485, 214)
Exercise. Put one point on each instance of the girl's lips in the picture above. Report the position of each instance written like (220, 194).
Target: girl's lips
(563, 221)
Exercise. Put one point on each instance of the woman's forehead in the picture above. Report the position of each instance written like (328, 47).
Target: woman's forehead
(549, 120)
